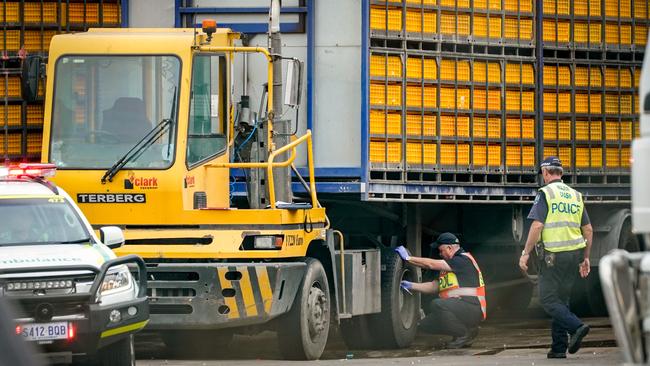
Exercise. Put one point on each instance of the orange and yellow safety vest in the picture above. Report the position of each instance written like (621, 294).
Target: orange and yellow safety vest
(449, 286)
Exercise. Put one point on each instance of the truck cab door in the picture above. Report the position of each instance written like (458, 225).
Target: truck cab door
(207, 134)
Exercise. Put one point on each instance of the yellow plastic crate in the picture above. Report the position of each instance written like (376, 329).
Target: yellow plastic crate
(557, 102)
(455, 70)
(618, 131)
(486, 127)
(520, 101)
(13, 90)
(490, 73)
(34, 114)
(420, 21)
(450, 24)
(112, 13)
(487, 100)
(559, 31)
(588, 130)
(586, 7)
(616, 8)
(420, 125)
(617, 158)
(13, 116)
(487, 28)
(389, 123)
(520, 128)
(557, 129)
(450, 154)
(640, 9)
(620, 35)
(385, 66)
(451, 126)
(417, 96)
(557, 75)
(454, 3)
(589, 157)
(562, 152)
(383, 19)
(421, 153)
(77, 13)
(486, 155)
(37, 41)
(34, 142)
(421, 68)
(585, 76)
(520, 156)
(553, 7)
(389, 95)
(10, 12)
(640, 34)
(32, 13)
(523, 6)
(588, 103)
(11, 40)
(618, 104)
(487, 4)
(584, 32)
(637, 129)
(13, 144)
(521, 30)
(615, 77)
(520, 74)
(454, 98)
(422, 2)
(637, 76)
(385, 152)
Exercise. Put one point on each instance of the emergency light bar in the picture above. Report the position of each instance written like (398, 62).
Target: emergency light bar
(28, 170)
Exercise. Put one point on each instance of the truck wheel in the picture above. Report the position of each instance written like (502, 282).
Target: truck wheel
(356, 333)
(120, 353)
(196, 344)
(396, 325)
(302, 333)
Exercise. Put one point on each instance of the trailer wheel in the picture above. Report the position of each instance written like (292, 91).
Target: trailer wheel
(196, 344)
(396, 325)
(302, 333)
(120, 353)
(356, 333)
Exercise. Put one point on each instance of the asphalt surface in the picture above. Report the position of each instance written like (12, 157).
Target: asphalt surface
(500, 342)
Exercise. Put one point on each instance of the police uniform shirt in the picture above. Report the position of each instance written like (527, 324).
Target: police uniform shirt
(539, 210)
(465, 272)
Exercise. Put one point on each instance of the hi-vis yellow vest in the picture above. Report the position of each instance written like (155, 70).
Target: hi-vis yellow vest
(448, 286)
(561, 231)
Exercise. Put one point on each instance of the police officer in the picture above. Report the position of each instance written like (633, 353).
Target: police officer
(461, 303)
(559, 215)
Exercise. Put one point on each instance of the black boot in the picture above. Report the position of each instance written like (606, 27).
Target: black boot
(576, 338)
(464, 341)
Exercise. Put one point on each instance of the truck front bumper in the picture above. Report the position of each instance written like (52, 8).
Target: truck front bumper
(220, 295)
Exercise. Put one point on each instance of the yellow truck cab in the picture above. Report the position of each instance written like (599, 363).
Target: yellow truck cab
(140, 125)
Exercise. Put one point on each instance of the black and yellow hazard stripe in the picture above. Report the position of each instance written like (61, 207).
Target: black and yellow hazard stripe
(253, 294)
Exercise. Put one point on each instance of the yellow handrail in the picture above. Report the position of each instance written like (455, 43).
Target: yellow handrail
(270, 164)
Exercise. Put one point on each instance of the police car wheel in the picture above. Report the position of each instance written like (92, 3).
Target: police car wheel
(120, 353)
(303, 331)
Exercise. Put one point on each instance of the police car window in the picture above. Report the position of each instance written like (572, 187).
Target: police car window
(48, 220)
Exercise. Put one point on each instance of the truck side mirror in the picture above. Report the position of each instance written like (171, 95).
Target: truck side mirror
(31, 75)
(294, 83)
(111, 236)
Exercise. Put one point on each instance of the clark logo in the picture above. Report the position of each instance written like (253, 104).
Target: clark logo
(141, 182)
(189, 181)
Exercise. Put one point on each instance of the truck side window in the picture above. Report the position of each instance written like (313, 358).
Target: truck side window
(207, 122)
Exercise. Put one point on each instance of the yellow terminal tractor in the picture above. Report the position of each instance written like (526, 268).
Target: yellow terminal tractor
(141, 126)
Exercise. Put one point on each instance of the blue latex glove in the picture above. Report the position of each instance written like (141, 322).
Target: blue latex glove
(403, 252)
(406, 285)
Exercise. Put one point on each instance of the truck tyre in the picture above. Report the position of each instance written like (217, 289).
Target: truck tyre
(120, 353)
(356, 333)
(196, 344)
(396, 325)
(303, 331)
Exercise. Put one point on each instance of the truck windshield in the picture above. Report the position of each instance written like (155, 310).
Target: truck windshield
(46, 220)
(103, 105)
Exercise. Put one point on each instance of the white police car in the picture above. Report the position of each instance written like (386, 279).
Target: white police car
(74, 298)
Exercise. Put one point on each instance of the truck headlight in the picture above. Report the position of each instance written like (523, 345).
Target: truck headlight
(268, 242)
(116, 280)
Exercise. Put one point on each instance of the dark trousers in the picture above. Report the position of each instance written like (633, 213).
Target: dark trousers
(555, 284)
(453, 316)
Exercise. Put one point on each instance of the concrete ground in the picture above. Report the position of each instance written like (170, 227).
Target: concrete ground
(500, 342)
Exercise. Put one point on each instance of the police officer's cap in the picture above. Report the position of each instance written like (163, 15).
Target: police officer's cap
(551, 161)
(445, 239)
